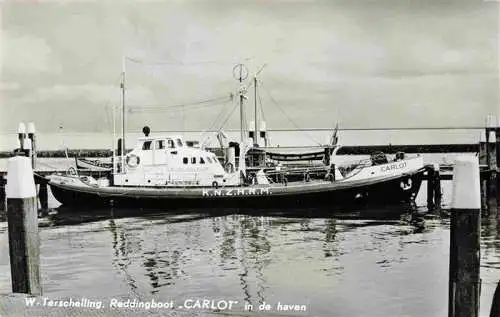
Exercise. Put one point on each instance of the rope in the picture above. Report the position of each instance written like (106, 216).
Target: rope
(106, 105)
(261, 108)
(181, 63)
(288, 118)
(228, 117)
(174, 108)
(219, 116)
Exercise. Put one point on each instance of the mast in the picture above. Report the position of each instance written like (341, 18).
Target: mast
(114, 140)
(242, 134)
(240, 73)
(123, 117)
(255, 137)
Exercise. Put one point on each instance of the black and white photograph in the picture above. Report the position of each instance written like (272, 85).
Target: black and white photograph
(216, 158)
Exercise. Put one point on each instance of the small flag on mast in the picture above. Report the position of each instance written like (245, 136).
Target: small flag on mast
(335, 138)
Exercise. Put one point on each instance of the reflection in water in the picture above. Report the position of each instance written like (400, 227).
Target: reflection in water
(120, 259)
(329, 247)
(332, 261)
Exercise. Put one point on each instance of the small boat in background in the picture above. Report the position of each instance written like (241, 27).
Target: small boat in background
(93, 165)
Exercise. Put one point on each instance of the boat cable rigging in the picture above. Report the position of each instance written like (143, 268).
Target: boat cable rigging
(285, 114)
(107, 105)
(194, 63)
(215, 101)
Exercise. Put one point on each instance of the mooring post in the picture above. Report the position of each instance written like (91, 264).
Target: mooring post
(21, 135)
(43, 196)
(464, 282)
(437, 187)
(492, 162)
(490, 139)
(22, 217)
(430, 187)
(495, 304)
(484, 195)
(3, 205)
(32, 138)
(483, 149)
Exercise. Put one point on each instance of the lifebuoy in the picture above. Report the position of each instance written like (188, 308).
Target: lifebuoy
(133, 161)
(228, 167)
(215, 184)
(406, 185)
(71, 171)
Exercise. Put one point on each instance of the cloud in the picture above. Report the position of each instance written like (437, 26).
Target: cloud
(23, 53)
(92, 93)
(9, 86)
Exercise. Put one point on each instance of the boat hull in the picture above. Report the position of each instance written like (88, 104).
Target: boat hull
(384, 191)
(93, 165)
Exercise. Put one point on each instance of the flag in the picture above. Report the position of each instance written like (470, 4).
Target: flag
(335, 138)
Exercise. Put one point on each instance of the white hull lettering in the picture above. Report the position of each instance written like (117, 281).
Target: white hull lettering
(236, 192)
(392, 167)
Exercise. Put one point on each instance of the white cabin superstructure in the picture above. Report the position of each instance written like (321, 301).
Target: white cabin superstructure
(166, 160)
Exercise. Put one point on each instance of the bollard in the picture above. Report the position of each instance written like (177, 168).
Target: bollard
(43, 195)
(437, 187)
(21, 135)
(497, 146)
(3, 206)
(492, 151)
(495, 305)
(32, 138)
(22, 217)
(484, 196)
(483, 149)
(430, 188)
(464, 282)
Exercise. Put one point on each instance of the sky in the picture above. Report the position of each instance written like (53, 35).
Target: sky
(363, 64)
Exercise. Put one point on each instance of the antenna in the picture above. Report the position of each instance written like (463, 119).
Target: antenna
(255, 137)
(240, 73)
(123, 115)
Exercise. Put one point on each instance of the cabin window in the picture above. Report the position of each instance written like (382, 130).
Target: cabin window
(179, 142)
(160, 144)
(146, 145)
(193, 160)
(171, 144)
(209, 159)
(202, 161)
(185, 160)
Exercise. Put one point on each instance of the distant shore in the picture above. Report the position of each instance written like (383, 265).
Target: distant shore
(345, 150)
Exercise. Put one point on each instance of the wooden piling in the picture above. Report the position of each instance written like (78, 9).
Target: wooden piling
(32, 137)
(22, 216)
(464, 282)
(21, 135)
(43, 196)
(484, 195)
(491, 159)
(483, 149)
(3, 206)
(430, 188)
(497, 147)
(495, 305)
(437, 187)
